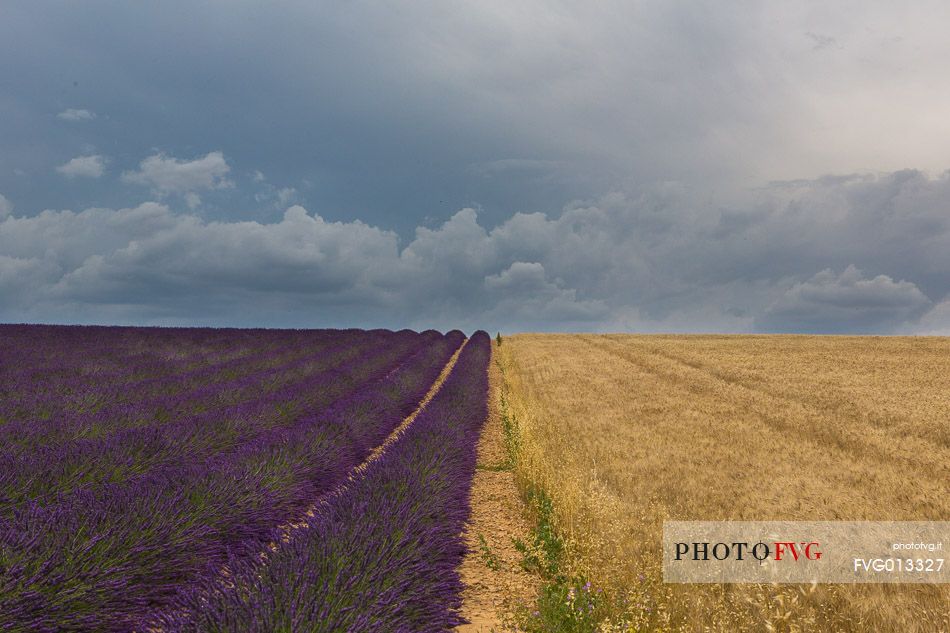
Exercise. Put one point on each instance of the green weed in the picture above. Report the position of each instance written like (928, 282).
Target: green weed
(491, 561)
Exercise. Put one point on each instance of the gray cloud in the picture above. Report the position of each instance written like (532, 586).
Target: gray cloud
(6, 207)
(521, 292)
(845, 254)
(72, 114)
(845, 302)
(92, 166)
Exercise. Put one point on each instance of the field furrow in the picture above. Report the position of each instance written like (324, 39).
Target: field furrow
(624, 432)
(822, 435)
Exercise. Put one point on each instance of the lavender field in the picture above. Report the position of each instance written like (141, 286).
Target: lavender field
(231, 480)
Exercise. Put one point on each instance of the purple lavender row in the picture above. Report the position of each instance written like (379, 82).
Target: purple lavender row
(54, 349)
(63, 353)
(133, 452)
(382, 556)
(82, 383)
(87, 495)
(236, 387)
(216, 394)
(39, 396)
(361, 423)
(102, 558)
(295, 445)
(115, 395)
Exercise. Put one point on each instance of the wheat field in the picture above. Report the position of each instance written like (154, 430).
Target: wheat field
(624, 431)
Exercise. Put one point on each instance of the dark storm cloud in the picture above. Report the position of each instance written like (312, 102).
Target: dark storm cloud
(353, 107)
(398, 113)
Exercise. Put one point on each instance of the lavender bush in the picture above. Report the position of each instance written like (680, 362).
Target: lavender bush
(132, 450)
(103, 556)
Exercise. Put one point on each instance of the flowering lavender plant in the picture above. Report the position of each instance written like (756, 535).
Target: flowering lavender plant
(170, 502)
(381, 553)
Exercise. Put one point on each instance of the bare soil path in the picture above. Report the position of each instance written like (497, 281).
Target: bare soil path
(495, 582)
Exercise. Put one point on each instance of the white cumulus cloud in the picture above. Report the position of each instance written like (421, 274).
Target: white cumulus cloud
(92, 166)
(839, 254)
(169, 175)
(72, 114)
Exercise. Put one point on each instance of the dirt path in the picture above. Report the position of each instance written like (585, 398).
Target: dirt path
(494, 579)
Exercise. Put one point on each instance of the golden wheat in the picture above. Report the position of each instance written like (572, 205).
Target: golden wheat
(626, 431)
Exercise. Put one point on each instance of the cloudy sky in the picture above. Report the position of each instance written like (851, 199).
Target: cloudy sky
(542, 165)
